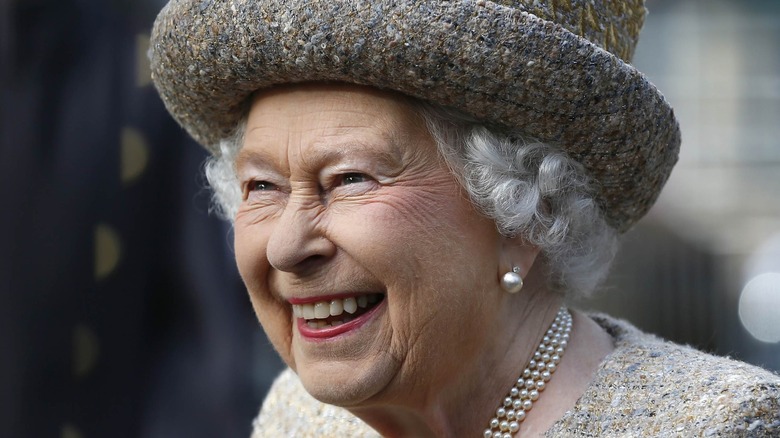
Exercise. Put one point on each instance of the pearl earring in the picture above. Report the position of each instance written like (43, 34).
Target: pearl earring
(512, 282)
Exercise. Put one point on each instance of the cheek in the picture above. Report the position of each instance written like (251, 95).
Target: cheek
(423, 243)
(435, 254)
(424, 225)
(250, 244)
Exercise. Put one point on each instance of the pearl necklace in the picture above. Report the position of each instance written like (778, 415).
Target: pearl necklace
(525, 392)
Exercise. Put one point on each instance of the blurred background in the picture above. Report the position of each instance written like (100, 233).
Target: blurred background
(703, 267)
(121, 311)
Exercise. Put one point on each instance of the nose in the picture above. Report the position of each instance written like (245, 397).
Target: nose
(297, 242)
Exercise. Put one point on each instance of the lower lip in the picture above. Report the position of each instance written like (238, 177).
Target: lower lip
(330, 332)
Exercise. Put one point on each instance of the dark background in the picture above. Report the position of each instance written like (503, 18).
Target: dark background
(121, 311)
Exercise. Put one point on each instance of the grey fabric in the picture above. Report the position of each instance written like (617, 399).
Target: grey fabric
(646, 387)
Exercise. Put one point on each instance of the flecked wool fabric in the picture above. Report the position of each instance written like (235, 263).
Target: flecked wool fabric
(646, 387)
(558, 70)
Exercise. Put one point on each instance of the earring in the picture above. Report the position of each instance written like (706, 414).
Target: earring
(512, 282)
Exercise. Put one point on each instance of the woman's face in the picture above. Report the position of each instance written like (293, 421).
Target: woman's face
(349, 210)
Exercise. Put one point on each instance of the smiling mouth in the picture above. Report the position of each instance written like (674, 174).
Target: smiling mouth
(335, 312)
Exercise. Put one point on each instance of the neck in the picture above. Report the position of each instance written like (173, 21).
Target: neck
(460, 398)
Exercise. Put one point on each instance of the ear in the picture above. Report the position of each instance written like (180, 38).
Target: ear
(515, 251)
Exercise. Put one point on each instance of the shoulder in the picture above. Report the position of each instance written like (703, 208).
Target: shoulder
(289, 410)
(651, 387)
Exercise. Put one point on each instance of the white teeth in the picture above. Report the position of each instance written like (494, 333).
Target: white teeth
(324, 309)
(336, 307)
(321, 310)
(350, 305)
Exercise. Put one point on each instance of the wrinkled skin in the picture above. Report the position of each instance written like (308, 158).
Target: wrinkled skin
(344, 191)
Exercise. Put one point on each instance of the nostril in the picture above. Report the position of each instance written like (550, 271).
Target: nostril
(311, 263)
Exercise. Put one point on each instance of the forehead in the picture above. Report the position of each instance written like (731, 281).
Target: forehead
(337, 107)
(317, 116)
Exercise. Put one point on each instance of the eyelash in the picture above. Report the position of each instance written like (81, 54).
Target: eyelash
(253, 186)
(345, 179)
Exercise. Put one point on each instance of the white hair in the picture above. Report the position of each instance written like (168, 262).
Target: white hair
(531, 189)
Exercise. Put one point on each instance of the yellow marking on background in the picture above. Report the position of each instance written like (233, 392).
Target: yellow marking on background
(85, 350)
(70, 431)
(143, 69)
(107, 251)
(134, 155)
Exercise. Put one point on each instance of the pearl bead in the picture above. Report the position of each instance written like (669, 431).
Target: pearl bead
(533, 379)
(512, 282)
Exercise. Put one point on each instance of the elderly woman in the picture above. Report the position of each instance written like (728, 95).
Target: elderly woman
(416, 190)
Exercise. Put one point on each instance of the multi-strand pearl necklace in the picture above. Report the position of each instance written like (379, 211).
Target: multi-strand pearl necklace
(525, 392)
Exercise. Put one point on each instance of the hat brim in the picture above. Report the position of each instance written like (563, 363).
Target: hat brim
(503, 66)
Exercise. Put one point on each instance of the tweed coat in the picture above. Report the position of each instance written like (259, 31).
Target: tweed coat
(646, 387)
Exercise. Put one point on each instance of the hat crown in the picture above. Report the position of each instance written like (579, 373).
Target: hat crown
(557, 69)
(613, 25)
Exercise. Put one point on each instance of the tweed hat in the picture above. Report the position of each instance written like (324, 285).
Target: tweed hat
(558, 70)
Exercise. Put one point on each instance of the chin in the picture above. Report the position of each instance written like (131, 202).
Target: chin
(346, 383)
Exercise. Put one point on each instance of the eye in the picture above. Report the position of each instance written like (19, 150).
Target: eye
(261, 186)
(353, 178)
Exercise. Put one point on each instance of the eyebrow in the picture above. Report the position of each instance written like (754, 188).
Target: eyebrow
(248, 156)
(339, 151)
(324, 156)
